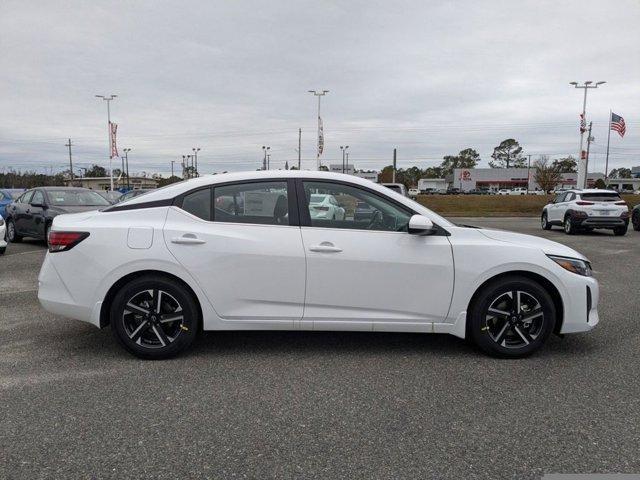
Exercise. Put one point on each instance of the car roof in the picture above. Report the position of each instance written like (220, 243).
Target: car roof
(590, 190)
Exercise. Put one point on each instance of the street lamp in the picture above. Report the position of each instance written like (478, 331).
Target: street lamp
(265, 149)
(319, 95)
(344, 151)
(582, 160)
(108, 100)
(126, 158)
(195, 155)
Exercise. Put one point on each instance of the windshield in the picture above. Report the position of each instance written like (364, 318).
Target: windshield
(76, 198)
(601, 197)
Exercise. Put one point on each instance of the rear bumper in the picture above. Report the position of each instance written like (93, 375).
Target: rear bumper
(600, 222)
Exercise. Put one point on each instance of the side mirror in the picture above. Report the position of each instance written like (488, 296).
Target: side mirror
(420, 225)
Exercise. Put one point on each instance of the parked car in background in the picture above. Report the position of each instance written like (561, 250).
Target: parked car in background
(133, 193)
(635, 218)
(503, 191)
(3, 236)
(454, 191)
(325, 206)
(32, 213)
(429, 191)
(111, 196)
(397, 187)
(8, 195)
(586, 210)
(479, 191)
(518, 191)
(414, 192)
(162, 268)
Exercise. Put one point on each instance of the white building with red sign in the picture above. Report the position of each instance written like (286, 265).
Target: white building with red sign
(496, 178)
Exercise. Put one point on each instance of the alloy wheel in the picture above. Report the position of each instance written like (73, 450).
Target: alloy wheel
(514, 319)
(11, 232)
(153, 318)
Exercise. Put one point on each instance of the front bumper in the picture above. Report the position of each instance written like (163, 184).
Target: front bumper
(581, 306)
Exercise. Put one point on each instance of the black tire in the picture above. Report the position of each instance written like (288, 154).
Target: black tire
(12, 233)
(516, 334)
(544, 222)
(635, 220)
(620, 231)
(149, 335)
(2, 250)
(568, 227)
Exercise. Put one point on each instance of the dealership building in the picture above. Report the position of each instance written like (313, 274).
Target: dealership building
(496, 178)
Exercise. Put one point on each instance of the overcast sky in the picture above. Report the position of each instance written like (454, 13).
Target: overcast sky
(428, 77)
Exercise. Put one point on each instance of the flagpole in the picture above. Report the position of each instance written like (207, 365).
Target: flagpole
(606, 163)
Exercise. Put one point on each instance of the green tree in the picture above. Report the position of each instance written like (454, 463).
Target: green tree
(507, 155)
(467, 158)
(168, 181)
(546, 175)
(96, 171)
(620, 173)
(566, 164)
(599, 183)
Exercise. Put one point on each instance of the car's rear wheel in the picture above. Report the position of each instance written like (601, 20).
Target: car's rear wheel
(620, 231)
(12, 233)
(569, 229)
(544, 221)
(635, 220)
(154, 317)
(512, 317)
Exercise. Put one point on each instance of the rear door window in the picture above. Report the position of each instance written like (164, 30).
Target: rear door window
(265, 203)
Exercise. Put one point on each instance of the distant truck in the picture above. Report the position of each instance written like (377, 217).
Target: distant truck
(426, 185)
(397, 187)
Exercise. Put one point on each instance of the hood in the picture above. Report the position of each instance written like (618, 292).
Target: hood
(547, 246)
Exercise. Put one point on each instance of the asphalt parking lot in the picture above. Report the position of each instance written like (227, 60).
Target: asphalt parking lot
(320, 405)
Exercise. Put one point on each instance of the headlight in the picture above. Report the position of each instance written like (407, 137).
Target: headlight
(574, 265)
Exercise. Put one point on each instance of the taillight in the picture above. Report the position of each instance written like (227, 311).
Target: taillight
(582, 202)
(621, 203)
(63, 241)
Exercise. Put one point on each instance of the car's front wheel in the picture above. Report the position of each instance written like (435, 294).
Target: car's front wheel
(12, 233)
(569, 229)
(544, 221)
(154, 317)
(512, 317)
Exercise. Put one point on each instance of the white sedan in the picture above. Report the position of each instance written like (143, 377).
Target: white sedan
(3, 236)
(325, 206)
(162, 267)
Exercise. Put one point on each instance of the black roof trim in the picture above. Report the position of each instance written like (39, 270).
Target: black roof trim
(165, 202)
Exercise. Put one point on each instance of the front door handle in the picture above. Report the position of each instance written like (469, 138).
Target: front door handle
(325, 247)
(188, 239)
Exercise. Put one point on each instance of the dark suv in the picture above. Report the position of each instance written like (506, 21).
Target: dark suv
(31, 214)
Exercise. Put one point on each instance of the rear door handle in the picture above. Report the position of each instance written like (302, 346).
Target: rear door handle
(325, 247)
(188, 239)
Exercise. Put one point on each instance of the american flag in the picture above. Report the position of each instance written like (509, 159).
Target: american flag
(617, 124)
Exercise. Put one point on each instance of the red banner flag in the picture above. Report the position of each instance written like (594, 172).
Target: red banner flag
(113, 129)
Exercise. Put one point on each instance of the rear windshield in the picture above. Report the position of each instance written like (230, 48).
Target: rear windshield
(76, 198)
(601, 197)
(317, 198)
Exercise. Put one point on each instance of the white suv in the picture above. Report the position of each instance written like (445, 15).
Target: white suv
(586, 210)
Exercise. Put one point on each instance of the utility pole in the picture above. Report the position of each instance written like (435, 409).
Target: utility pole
(299, 147)
(268, 161)
(108, 99)
(606, 162)
(586, 163)
(394, 166)
(348, 163)
(195, 155)
(528, 172)
(126, 157)
(265, 149)
(582, 158)
(70, 161)
(172, 162)
(319, 95)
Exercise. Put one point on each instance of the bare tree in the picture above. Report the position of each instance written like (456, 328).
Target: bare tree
(546, 175)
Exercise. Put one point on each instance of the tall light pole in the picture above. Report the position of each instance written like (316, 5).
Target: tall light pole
(265, 149)
(126, 158)
(268, 161)
(320, 94)
(108, 100)
(344, 151)
(195, 155)
(172, 162)
(582, 160)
